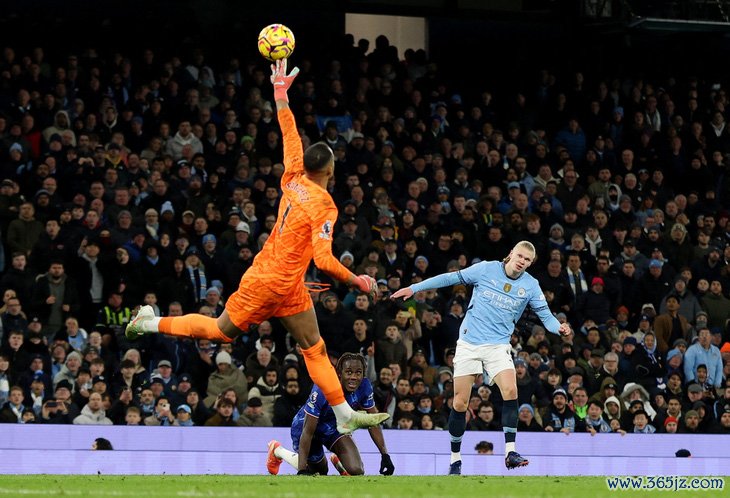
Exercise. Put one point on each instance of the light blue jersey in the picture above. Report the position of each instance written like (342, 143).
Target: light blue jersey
(496, 303)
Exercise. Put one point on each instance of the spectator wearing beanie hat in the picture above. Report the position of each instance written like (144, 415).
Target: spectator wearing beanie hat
(526, 419)
(671, 424)
(226, 376)
(594, 303)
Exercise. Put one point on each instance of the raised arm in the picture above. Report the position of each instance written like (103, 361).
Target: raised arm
(293, 152)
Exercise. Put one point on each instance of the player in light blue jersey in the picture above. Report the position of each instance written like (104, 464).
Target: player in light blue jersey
(315, 427)
(502, 291)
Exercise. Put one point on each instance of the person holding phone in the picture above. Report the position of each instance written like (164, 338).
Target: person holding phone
(162, 415)
(53, 412)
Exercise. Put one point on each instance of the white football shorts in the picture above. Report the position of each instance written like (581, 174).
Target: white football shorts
(490, 358)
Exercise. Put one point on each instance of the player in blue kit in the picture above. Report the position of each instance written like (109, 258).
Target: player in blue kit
(315, 427)
(502, 291)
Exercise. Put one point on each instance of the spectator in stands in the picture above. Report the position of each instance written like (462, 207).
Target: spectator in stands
(594, 421)
(254, 416)
(226, 376)
(717, 307)
(268, 390)
(163, 414)
(560, 418)
(223, 416)
(93, 412)
(526, 419)
(703, 353)
(23, 232)
(671, 325)
(54, 297)
(288, 404)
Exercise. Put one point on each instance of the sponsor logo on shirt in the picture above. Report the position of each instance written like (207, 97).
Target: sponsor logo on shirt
(499, 300)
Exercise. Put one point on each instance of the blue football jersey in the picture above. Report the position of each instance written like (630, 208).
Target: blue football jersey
(497, 301)
(317, 406)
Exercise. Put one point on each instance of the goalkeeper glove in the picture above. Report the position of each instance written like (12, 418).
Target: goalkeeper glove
(365, 283)
(280, 80)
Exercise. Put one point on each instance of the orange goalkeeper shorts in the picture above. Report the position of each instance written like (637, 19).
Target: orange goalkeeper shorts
(254, 302)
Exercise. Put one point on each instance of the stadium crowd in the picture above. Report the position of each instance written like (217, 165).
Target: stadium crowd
(130, 179)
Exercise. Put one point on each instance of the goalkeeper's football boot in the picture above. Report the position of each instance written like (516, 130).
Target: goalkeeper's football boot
(362, 420)
(514, 460)
(338, 465)
(135, 328)
(455, 468)
(273, 462)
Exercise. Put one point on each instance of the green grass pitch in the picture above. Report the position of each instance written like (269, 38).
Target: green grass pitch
(318, 486)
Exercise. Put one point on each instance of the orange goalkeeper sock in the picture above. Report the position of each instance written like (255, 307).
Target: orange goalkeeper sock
(323, 373)
(193, 325)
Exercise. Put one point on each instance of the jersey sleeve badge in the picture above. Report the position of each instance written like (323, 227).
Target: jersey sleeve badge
(326, 232)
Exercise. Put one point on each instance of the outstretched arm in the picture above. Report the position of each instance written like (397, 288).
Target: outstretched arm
(443, 280)
(293, 152)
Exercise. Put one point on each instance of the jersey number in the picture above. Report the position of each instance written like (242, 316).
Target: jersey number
(283, 217)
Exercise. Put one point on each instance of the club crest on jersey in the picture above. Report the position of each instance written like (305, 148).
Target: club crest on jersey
(326, 232)
(521, 292)
(507, 287)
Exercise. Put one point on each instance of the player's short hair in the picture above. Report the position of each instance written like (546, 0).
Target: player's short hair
(347, 357)
(524, 244)
(317, 157)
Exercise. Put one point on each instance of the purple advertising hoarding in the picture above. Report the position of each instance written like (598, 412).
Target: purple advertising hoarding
(209, 450)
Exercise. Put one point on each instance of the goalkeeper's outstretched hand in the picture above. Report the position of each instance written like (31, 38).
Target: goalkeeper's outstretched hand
(367, 284)
(281, 80)
(386, 465)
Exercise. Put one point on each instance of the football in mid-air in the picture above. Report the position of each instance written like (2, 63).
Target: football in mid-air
(276, 41)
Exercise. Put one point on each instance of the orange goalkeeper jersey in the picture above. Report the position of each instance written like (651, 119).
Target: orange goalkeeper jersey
(304, 226)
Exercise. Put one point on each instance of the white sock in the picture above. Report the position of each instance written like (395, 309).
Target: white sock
(343, 412)
(455, 457)
(508, 447)
(288, 456)
(152, 325)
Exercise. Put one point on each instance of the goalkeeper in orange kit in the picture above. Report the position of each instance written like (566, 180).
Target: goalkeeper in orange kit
(274, 285)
